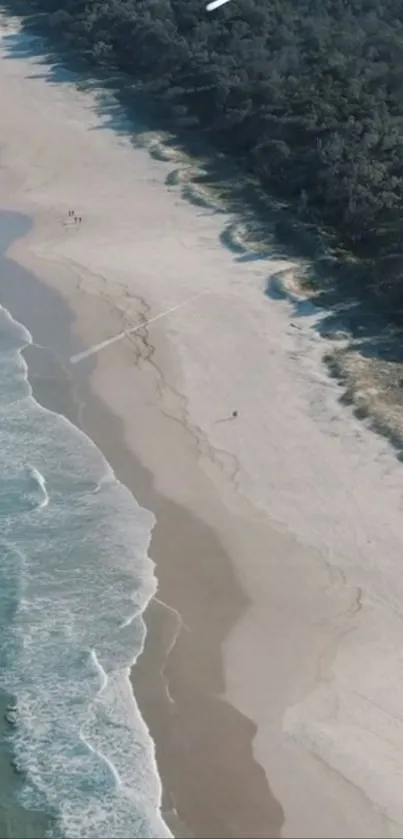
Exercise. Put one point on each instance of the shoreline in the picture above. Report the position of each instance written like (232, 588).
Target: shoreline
(314, 585)
(182, 809)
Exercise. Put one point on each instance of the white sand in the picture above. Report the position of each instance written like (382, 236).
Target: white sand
(317, 660)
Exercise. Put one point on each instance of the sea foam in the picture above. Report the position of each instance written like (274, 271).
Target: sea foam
(75, 579)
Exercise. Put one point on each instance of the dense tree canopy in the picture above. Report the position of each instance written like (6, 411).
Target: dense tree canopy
(308, 94)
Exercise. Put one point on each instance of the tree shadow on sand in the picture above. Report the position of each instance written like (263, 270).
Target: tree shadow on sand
(260, 226)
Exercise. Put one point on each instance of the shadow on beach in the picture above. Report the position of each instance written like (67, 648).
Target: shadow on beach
(260, 226)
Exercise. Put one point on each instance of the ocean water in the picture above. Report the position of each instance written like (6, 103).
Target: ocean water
(74, 581)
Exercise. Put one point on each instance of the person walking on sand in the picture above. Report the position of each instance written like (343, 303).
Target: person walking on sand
(234, 415)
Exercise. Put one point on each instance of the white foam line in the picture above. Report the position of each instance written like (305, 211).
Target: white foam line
(104, 682)
(98, 347)
(102, 675)
(103, 757)
(40, 480)
(179, 626)
(215, 5)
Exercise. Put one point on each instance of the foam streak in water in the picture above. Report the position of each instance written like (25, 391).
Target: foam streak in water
(104, 682)
(74, 577)
(41, 483)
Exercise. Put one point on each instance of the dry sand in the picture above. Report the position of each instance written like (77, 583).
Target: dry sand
(279, 535)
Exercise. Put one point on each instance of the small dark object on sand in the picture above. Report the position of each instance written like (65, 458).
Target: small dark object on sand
(227, 419)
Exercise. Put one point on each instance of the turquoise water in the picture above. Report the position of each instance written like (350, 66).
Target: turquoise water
(74, 581)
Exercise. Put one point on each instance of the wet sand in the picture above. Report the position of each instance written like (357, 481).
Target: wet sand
(213, 786)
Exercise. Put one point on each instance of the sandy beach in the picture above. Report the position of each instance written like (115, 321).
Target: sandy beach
(272, 677)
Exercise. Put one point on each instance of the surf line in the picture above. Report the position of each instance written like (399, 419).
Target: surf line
(215, 5)
(74, 359)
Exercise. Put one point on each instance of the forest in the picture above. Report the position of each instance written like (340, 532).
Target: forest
(307, 95)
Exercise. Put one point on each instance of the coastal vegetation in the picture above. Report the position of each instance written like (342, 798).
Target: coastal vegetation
(307, 95)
